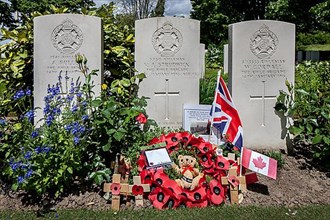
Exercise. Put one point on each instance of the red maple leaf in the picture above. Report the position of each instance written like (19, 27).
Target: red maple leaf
(259, 163)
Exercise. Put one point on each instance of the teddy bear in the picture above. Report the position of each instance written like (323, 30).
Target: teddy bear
(190, 175)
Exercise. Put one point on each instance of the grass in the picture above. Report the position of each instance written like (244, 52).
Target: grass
(319, 212)
(316, 47)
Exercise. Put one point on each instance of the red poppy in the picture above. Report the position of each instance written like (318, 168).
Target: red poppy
(115, 188)
(141, 118)
(233, 181)
(221, 163)
(137, 190)
(157, 140)
(159, 197)
(206, 160)
(216, 192)
(147, 177)
(186, 137)
(172, 142)
(197, 195)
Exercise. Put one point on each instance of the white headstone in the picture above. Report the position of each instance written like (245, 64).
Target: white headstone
(167, 50)
(57, 39)
(225, 58)
(261, 58)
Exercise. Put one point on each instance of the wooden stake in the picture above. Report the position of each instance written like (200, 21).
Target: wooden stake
(234, 189)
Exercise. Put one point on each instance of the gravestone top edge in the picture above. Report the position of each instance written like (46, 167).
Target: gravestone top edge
(165, 18)
(260, 21)
(64, 15)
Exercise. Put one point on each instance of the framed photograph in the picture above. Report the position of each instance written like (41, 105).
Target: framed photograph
(158, 157)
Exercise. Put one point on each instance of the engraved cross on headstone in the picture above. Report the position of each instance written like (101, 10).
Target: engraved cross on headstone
(167, 95)
(263, 97)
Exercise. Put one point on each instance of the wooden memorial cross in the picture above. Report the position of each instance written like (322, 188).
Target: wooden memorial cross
(117, 188)
(232, 177)
(146, 188)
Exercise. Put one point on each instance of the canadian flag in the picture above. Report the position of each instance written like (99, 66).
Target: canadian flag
(259, 163)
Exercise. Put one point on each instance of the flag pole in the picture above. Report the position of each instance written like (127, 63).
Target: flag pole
(213, 104)
(240, 164)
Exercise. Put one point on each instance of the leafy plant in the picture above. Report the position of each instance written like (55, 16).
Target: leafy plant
(309, 109)
(277, 156)
(48, 159)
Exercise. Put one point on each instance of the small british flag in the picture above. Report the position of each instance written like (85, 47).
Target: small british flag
(224, 116)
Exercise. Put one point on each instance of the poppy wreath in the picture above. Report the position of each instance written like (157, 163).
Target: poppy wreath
(166, 193)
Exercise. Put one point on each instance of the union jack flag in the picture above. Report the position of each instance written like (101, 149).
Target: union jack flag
(224, 116)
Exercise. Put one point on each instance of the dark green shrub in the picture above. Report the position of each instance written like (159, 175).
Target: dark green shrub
(305, 39)
(277, 156)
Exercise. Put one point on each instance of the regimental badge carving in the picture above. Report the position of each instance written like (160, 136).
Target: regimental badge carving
(263, 43)
(167, 40)
(67, 37)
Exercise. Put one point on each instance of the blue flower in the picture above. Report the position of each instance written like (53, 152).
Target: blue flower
(74, 108)
(20, 179)
(79, 94)
(69, 98)
(28, 92)
(14, 165)
(84, 104)
(56, 111)
(46, 150)
(2, 121)
(19, 94)
(28, 174)
(29, 115)
(34, 134)
(85, 117)
(49, 120)
(38, 149)
(72, 87)
(67, 128)
(76, 140)
(46, 109)
(28, 155)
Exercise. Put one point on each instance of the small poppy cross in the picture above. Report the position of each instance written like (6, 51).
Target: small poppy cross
(234, 181)
(138, 189)
(117, 188)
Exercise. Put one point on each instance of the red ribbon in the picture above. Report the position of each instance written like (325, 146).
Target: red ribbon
(190, 168)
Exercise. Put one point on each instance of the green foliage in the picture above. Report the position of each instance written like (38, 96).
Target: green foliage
(216, 15)
(77, 131)
(305, 39)
(159, 9)
(27, 7)
(214, 55)
(310, 110)
(321, 15)
(277, 156)
(207, 86)
(295, 12)
(47, 159)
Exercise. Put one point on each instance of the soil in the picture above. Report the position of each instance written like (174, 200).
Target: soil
(297, 184)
